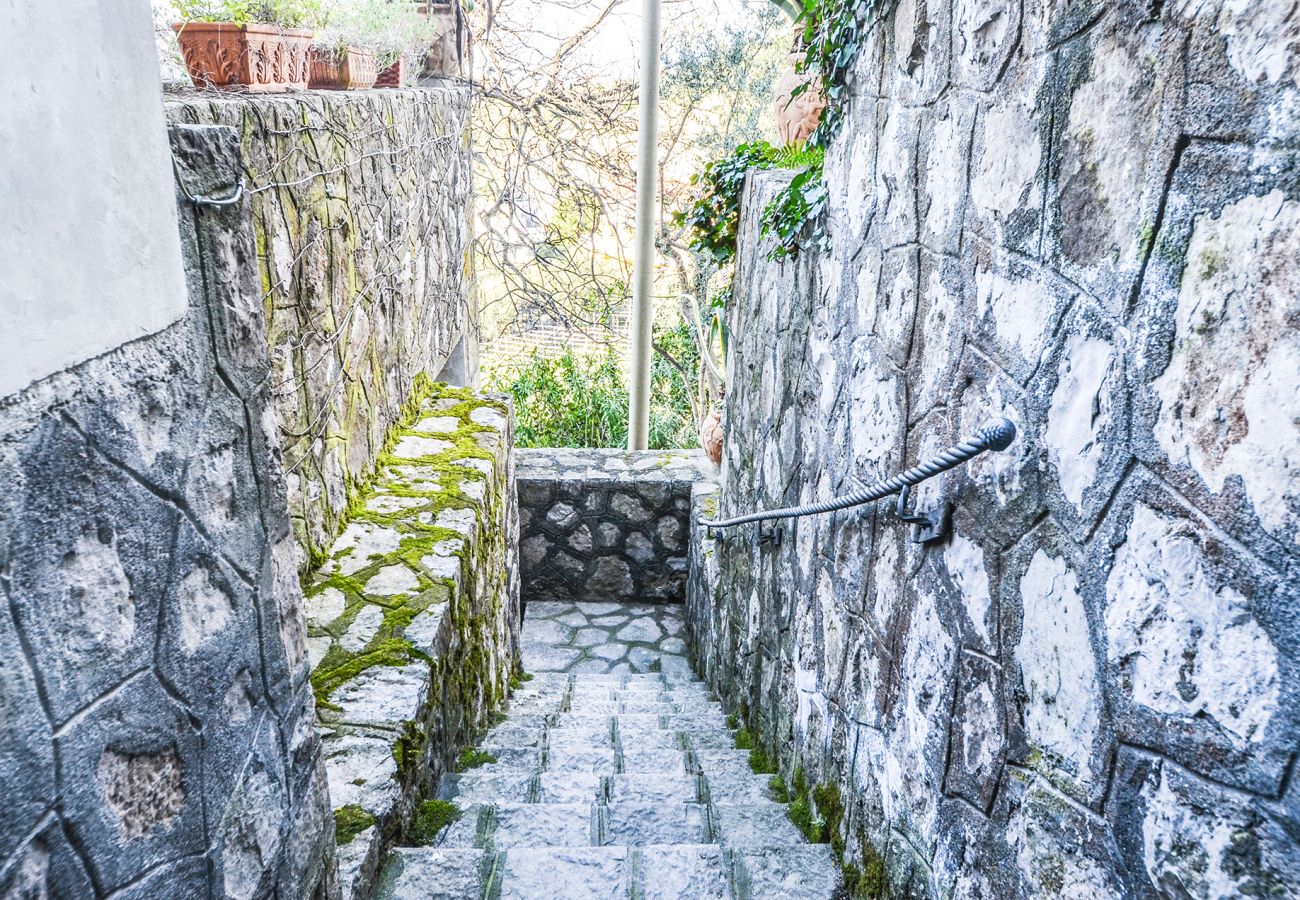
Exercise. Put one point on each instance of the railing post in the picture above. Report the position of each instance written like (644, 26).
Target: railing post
(638, 424)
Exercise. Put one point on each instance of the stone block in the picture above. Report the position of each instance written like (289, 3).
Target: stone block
(425, 873)
(589, 873)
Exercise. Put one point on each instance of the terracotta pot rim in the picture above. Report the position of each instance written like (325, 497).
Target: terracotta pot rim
(250, 28)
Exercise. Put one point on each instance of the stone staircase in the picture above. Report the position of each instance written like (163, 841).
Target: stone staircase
(613, 784)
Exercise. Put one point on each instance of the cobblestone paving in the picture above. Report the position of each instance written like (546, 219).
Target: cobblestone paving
(615, 777)
(605, 638)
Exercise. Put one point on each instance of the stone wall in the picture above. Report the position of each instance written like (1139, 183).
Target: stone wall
(361, 223)
(413, 620)
(156, 713)
(606, 524)
(1082, 216)
(59, 278)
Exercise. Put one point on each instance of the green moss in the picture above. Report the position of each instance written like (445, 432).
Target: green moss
(830, 808)
(439, 490)
(328, 678)
(350, 821)
(470, 758)
(744, 740)
(1146, 237)
(800, 783)
(760, 762)
(408, 750)
(776, 784)
(431, 817)
(1051, 874)
(732, 721)
(873, 881)
(801, 814)
(518, 678)
(1209, 263)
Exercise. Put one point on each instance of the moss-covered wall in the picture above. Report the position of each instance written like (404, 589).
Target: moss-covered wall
(413, 618)
(361, 224)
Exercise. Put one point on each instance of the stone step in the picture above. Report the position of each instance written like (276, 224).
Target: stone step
(428, 873)
(477, 788)
(574, 873)
(806, 872)
(651, 872)
(615, 786)
(754, 826)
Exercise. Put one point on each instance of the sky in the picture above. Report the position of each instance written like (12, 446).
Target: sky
(613, 49)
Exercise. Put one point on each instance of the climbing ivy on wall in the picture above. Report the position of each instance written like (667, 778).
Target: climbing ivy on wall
(833, 32)
(713, 215)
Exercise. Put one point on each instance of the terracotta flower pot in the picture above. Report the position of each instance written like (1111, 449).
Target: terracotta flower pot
(711, 437)
(390, 77)
(258, 58)
(797, 117)
(353, 70)
(450, 49)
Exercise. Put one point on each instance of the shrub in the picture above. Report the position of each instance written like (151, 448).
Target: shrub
(575, 400)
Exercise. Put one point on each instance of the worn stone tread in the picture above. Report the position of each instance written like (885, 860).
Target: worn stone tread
(428, 873)
(629, 787)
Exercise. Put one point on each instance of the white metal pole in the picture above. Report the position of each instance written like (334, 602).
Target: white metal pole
(638, 424)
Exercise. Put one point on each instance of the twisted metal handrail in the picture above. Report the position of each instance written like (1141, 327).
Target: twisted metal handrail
(994, 435)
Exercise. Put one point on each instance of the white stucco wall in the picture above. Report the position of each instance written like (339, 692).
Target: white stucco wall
(89, 249)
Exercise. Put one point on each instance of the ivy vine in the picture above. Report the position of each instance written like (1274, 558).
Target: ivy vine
(713, 215)
(833, 33)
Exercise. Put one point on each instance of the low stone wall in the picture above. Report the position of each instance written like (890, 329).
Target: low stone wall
(1083, 217)
(413, 620)
(606, 524)
(156, 733)
(361, 226)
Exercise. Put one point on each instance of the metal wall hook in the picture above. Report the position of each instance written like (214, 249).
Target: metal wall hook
(770, 536)
(926, 527)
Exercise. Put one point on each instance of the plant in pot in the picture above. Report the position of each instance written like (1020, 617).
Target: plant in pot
(798, 100)
(248, 45)
(365, 42)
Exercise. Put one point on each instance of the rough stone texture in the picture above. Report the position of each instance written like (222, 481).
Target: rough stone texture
(413, 620)
(606, 524)
(156, 733)
(361, 224)
(1082, 216)
(609, 784)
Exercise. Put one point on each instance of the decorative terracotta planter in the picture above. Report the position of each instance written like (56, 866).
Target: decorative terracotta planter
(711, 437)
(354, 70)
(797, 117)
(390, 77)
(447, 55)
(257, 58)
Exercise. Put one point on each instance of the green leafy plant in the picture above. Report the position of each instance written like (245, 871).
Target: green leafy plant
(284, 13)
(471, 758)
(833, 32)
(713, 215)
(349, 821)
(575, 400)
(386, 29)
(794, 217)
